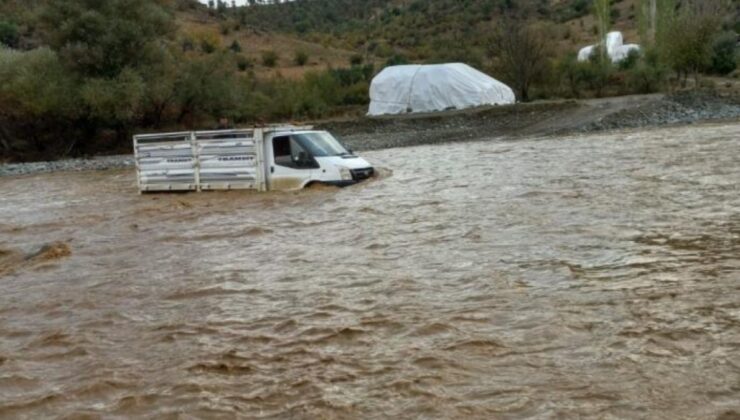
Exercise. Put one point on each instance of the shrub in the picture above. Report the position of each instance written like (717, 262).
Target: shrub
(614, 14)
(34, 83)
(207, 47)
(114, 100)
(300, 58)
(648, 75)
(358, 94)
(396, 60)
(187, 44)
(724, 56)
(269, 58)
(243, 63)
(353, 75)
(38, 104)
(9, 34)
(356, 60)
(596, 72)
(568, 69)
(630, 61)
(691, 52)
(235, 47)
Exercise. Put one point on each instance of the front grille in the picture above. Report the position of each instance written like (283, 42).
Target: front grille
(362, 174)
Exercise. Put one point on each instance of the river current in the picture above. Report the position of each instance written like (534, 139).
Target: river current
(592, 276)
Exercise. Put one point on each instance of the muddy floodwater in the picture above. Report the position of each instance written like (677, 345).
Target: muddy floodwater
(592, 276)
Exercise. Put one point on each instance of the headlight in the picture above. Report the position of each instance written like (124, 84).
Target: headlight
(345, 174)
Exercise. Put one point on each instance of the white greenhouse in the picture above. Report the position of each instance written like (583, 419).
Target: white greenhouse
(431, 88)
(615, 48)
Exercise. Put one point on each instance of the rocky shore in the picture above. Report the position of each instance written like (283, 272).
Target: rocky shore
(677, 109)
(92, 164)
(509, 122)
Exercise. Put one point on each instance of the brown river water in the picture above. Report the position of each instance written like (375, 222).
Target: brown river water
(594, 276)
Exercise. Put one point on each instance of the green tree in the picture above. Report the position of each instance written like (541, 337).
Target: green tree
(691, 52)
(102, 38)
(38, 104)
(205, 87)
(115, 101)
(35, 84)
(724, 53)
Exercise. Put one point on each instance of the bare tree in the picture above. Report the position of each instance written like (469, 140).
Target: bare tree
(521, 52)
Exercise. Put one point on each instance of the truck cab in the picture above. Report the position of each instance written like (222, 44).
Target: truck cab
(274, 158)
(300, 158)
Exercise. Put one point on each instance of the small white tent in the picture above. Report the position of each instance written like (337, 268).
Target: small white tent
(439, 87)
(615, 48)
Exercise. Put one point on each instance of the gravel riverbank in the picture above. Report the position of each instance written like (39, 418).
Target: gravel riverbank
(92, 164)
(511, 122)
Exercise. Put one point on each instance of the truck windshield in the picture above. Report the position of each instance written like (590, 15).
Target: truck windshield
(321, 144)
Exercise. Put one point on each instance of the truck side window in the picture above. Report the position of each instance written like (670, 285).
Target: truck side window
(281, 150)
(288, 152)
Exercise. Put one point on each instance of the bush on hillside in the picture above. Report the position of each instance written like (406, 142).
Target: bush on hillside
(207, 47)
(9, 34)
(397, 60)
(300, 58)
(356, 60)
(243, 63)
(269, 58)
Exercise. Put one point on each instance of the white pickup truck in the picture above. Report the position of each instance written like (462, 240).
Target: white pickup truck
(262, 159)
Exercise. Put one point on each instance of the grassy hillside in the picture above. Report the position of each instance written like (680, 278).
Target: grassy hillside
(332, 32)
(196, 24)
(430, 31)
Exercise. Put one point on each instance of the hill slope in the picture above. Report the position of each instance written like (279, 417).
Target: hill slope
(332, 31)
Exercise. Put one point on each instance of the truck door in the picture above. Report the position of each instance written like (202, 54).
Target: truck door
(291, 165)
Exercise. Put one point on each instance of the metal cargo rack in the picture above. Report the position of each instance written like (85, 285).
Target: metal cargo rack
(203, 160)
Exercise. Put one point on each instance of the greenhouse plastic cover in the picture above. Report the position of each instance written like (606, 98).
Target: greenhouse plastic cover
(430, 88)
(615, 48)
